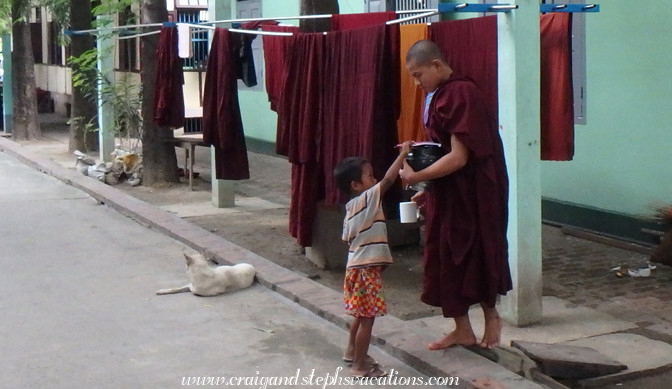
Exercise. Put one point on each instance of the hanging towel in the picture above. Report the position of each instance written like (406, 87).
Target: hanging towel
(409, 125)
(350, 21)
(275, 57)
(557, 96)
(168, 97)
(470, 47)
(222, 124)
(185, 48)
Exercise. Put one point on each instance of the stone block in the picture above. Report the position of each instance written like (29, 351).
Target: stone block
(569, 362)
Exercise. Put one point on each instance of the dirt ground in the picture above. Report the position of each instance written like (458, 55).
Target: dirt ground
(264, 231)
(574, 269)
(259, 222)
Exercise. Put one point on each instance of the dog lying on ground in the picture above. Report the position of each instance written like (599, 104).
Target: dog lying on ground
(208, 280)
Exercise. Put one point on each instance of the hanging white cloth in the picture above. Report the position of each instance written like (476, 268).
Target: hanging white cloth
(184, 46)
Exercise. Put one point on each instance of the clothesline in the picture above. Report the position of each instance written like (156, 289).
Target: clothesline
(241, 20)
(421, 13)
(204, 25)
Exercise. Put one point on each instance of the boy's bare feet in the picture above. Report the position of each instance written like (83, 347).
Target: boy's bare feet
(493, 331)
(462, 338)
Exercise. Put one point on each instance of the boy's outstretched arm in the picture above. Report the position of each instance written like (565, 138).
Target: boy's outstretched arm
(393, 172)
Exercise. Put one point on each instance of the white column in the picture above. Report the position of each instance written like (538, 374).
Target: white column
(105, 44)
(519, 117)
(223, 191)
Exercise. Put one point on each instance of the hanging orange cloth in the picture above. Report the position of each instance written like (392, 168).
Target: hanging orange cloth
(409, 125)
(557, 93)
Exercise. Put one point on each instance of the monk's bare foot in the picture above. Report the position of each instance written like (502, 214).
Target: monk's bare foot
(493, 331)
(465, 338)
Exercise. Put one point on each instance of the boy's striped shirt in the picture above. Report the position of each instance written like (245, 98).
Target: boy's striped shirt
(365, 231)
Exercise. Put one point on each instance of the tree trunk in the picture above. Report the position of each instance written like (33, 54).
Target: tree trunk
(82, 108)
(158, 153)
(317, 7)
(24, 124)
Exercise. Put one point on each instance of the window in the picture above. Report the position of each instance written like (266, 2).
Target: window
(55, 49)
(405, 5)
(36, 34)
(127, 48)
(199, 40)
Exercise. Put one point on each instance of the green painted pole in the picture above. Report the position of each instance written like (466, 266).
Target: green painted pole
(519, 117)
(7, 97)
(106, 136)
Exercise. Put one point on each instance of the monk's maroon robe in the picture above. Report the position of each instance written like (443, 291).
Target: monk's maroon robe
(222, 123)
(168, 97)
(466, 251)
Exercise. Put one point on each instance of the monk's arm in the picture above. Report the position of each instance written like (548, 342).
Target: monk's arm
(449, 163)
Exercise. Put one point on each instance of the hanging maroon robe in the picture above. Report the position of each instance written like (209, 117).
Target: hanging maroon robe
(300, 129)
(466, 251)
(275, 57)
(339, 99)
(361, 101)
(168, 97)
(470, 47)
(340, 22)
(222, 124)
(557, 95)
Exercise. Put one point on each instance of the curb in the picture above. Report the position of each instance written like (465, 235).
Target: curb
(400, 339)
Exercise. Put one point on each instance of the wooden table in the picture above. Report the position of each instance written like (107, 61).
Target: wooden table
(189, 143)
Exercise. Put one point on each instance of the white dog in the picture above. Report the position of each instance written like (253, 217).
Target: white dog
(207, 280)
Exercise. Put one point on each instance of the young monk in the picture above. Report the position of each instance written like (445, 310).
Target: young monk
(466, 256)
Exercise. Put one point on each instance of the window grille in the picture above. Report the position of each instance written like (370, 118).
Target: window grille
(193, 125)
(199, 40)
(406, 5)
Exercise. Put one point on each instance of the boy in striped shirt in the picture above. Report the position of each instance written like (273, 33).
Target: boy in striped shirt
(365, 232)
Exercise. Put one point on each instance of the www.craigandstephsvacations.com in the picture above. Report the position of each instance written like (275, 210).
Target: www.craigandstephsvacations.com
(326, 380)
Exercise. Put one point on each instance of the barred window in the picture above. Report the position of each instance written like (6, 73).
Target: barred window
(199, 40)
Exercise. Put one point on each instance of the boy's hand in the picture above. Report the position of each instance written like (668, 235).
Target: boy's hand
(407, 174)
(419, 198)
(406, 147)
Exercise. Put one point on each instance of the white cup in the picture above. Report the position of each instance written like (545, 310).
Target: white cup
(408, 212)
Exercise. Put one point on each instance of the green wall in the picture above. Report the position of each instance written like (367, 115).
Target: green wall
(622, 162)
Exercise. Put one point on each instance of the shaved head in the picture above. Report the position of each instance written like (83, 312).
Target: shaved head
(424, 52)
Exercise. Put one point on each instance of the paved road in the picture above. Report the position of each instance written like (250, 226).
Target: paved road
(79, 309)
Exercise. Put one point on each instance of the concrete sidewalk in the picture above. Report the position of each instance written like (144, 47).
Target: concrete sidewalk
(620, 330)
(80, 310)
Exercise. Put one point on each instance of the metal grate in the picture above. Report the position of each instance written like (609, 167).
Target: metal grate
(193, 125)
(199, 40)
(420, 5)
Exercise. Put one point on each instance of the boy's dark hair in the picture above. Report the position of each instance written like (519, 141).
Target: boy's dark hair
(347, 171)
(424, 52)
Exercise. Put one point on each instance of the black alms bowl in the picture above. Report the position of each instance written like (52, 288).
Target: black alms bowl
(423, 155)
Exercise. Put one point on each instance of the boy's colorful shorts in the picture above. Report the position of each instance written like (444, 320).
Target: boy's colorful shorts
(363, 292)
